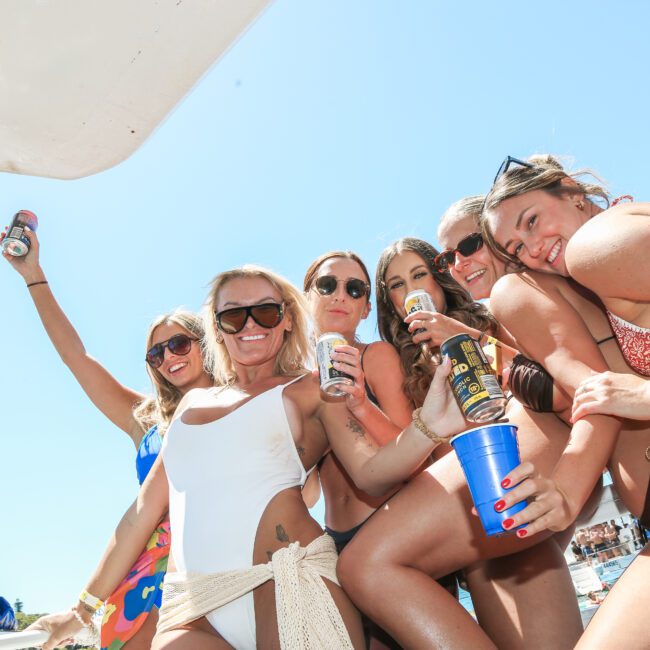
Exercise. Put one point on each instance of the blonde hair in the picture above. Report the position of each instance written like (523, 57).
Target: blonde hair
(546, 173)
(295, 353)
(470, 206)
(158, 410)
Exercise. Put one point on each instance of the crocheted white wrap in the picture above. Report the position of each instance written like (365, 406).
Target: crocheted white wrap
(308, 619)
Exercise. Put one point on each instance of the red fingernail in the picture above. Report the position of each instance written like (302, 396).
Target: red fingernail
(500, 505)
(507, 523)
(505, 483)
(522, 532)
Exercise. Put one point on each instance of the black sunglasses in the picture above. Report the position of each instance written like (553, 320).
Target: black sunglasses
(355, 288)
(178, 344)
(507, 163)
(268, 315)
(466, 246)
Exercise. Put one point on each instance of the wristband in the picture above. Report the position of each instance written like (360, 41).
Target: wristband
(423, 428)
(33, 284)
(91, 601)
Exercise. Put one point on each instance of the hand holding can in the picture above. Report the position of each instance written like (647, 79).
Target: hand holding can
(16, 242)
(472, 379)
(330, 377)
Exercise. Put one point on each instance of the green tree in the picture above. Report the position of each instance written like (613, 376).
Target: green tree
(18, 606)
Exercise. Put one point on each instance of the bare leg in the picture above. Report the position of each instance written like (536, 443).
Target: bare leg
(622, 620)
(144, 636)
(527, 600)
(426, 531)
(198, 634)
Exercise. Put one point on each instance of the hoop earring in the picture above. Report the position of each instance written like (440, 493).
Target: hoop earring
(218, 338)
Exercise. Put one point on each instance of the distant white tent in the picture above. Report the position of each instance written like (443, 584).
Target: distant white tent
(85, 82)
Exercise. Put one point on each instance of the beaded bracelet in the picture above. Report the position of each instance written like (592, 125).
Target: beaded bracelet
(417, 421)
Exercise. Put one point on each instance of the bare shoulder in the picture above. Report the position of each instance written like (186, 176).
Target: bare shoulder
(379, 357)
(195, 397)
(609, 254)
(517, 293)
(304, 393)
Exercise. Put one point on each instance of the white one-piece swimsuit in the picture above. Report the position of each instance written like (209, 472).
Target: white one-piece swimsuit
(222, 475)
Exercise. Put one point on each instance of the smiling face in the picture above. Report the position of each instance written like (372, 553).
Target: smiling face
(182, 371)
(407, 272)
(254, 345)
(477, 272)
(338, 312)
(536, 226)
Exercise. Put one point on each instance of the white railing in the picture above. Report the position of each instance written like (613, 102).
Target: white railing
(19, 640)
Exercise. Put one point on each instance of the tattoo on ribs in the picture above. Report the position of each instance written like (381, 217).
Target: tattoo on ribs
(353, 425)
(301, 450)
(281, 534)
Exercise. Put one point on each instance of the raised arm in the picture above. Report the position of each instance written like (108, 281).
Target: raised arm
(375, 471)
(113, 399)
(549, 330)
(124, 548)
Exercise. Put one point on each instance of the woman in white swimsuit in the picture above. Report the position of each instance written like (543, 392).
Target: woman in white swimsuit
(247, 558)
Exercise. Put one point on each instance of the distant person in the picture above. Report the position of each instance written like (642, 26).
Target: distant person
(611, 539)
(175, 365)
(577, 551)
(597, 537)
(594, 598)
(626, 537)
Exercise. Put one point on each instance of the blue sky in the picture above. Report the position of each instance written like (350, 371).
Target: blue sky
(329, 125)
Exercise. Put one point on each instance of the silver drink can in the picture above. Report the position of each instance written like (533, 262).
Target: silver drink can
(418, 300)
(330, 377)
(16, 242)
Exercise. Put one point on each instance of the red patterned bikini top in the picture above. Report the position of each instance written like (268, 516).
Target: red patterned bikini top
(634, 342)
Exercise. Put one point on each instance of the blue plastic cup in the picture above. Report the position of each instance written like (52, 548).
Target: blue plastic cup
(486, 454)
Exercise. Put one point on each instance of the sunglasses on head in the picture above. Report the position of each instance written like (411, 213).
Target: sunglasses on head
(355, 288)
(466, 246)
(507, 163)
(268, 315)
(179, 344)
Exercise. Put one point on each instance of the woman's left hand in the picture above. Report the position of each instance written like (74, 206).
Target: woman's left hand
(549, 507)
(435, 327)
(61, 627)
(347, 359)
(612, 393)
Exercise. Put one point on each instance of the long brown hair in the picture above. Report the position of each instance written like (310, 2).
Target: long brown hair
(160, 408)
(419, 369)
(545, 173)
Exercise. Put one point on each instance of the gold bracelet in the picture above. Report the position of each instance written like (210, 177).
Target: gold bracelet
(423, 428)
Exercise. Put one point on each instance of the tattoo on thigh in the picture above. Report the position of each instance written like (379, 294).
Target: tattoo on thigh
(281, 534)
